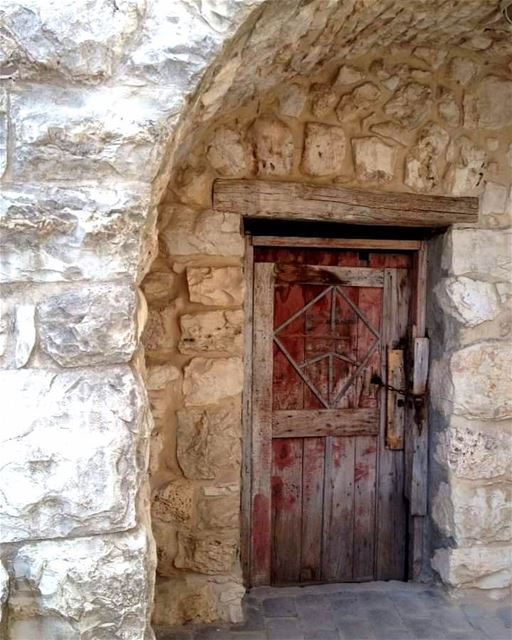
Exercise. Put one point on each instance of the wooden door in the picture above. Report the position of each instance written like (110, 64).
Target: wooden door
(328, 498)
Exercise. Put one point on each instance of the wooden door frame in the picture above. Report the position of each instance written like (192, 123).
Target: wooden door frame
(418, 451)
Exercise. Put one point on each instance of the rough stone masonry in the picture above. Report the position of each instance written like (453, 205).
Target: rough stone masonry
(122, 291)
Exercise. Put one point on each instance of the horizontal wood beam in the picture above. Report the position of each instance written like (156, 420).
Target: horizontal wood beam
(336, 243)
(298, 201)
(323, 274)
(310, 423)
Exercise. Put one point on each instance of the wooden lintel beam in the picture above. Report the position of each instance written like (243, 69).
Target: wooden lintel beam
(298, 201)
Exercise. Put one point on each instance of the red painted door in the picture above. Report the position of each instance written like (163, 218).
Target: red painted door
(328, 442)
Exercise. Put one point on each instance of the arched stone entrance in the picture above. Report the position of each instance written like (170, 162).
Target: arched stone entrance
(88, 158)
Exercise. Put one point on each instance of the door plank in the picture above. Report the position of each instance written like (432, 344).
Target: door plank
(364, 508)
(308, 423)
(395, 419)
(286, 510)
(337, 561)
(391, 510)
(322, 274)
(261, 423)
(312, 509)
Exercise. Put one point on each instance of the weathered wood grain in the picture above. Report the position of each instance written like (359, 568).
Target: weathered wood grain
(308, 423)
(336, 243)
(319, 274)
(395, 419)
(312, 509)
(364, 508)
(291, 200)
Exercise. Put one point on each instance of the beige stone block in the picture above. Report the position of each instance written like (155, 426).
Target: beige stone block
(208, 441)
(212, 233)
(448, 107)
(159, 287)
(479, 567)
(374, 160)
(425, 160)
(348, 74)
(357, 102)
(221, 512)
(228, 154)
(195, 187)
(184, 600)
(391, 130)
(461, 70)
(273, 145)
(216, 286)
(494, 198)
(324, 150)
(292, 100)
(494, 97)
(160, 376)
(174, 501)
(482, 381)
(209, 554)
(323, 100)
(160, 331)
(410, 104)
(467, 166)
(212, 331)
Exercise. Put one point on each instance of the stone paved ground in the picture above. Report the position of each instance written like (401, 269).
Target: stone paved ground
(373, 611)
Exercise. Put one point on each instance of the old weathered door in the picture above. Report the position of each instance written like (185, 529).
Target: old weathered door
(331, 329)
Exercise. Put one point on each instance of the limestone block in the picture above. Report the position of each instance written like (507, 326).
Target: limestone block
(461, 70)
(391, 130)
(194, 187)
(76, 133)
(212, 233)
(470, 301)
(494, 97)
(228, 154)
(410, 104)
(212, 331)
(478, 253)
(494, 199)
(209, 554)
(273, 146)
(17, 334)
(482, 381)
(159, 287)
(174, 502)
(468, 163)
(4, 131)
(229, 594)
(4, 590)
(474, 567)
(86, 587)
(65, 436)
(209, 380)
(95, 324)
(216, 286)
(482, 514)
(324, 150)
(55, 234)
(55, 37)
(469, 112)
(183, 600)
(221, 512)
(374, 160)
(357, 102)
(476, 451)
(425, 159)
(324, 99)
(292, 100)
(208, 440)
(160, 332)
(448, 107)
(348, 75)
(160, 376)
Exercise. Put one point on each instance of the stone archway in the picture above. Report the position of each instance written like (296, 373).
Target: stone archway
(94, 124)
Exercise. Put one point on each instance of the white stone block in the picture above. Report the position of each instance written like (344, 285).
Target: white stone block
(478, 253)
(470, 301)
(324, 150)
(476, 566)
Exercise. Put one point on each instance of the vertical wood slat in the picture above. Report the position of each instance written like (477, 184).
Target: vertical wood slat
(247, 414)
(364, 508)
(286, 510)
(395, 418)
(391, 511)
(261, 423)
(312, 509)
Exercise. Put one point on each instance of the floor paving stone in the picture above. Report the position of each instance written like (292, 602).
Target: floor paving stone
(367, 611)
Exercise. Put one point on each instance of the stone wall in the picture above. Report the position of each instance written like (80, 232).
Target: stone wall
(101, 105)
(406, 120)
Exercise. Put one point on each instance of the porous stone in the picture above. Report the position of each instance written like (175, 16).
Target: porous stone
(208, 380)
(95, 324)
(425, 160)
(410, 104)
(209, 554)
(174, 502)
(470, 301)
(86, 587)
(324, 150)
(273, 146)
(4, 590)
(324, 99)
(357, 102)
(64, 439)
(467, 165)
(212, 233)
(196, 602)
(292, 100)
(494, 97)
(212, 331)
(448, 107)
(208, 440)
(160, 332)
(374, 160)
(228, 154)
(467, 253)
(52, 234)
(461, 70)
(482, 381)
(478, 566)
(216, 286)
